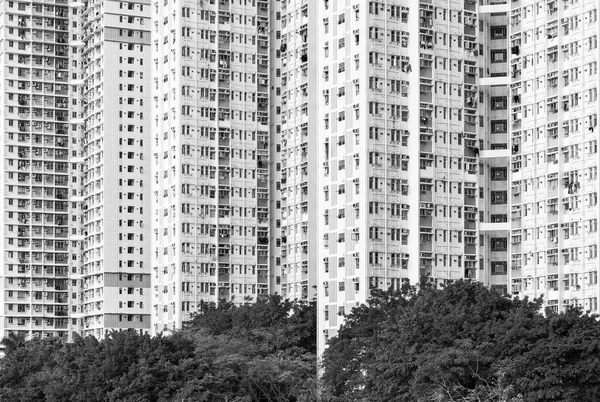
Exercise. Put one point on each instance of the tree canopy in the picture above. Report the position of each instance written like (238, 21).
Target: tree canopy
(280, 323)
(226, 353)
(462, 343)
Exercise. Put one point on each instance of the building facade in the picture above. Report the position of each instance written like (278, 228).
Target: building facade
(211, 156)
(157, 155)
(114, 89)
(294, 149)
(41, 179)
(500, 158)
(552, 87)
(398, 149)
(493, 144)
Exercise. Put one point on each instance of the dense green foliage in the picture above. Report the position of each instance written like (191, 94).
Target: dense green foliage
(282, 324)
(462, 343)
(251, 353)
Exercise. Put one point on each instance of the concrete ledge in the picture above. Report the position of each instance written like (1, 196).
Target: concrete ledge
(494, 81)
(491, 227)
(494, 8)
(494, 153)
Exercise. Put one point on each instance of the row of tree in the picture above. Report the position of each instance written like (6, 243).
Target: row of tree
(460, 343)
(260, 352)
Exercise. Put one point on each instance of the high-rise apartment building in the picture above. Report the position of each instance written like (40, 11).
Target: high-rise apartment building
(224, 150)
(114, 89)
(75, 114)
(397, 148)
(493, 142)
(41, 178)
(210, 139)
(499, 159)
(550, 56)
(294, 149)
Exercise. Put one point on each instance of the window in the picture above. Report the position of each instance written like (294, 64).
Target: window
(499, 126)
(498, 32)
(499, 103)
(498, 267)
(374, 7)
(499, 197)
(501, 289)
(499, 218)
(498, 55)
(498, 174)
(498, 243)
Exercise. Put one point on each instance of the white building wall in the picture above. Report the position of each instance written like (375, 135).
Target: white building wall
(290, 153)
(275, 110)
(494, 149)
(41, 177)
(210, 156)
(398, 188)
(116, 85)
(295, 135)
(355, 119)
(553, 106)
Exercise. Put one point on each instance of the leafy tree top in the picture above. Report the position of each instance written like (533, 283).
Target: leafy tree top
(461, 342)
(258, 353)
(285, 322)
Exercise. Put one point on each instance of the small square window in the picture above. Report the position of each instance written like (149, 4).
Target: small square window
(498, 267)
(498, 174)
(500, 289)
(499, 102)
(499, 197)
(499, 218)
(498, 32)
(499, 126)
(498, 243)
(497, 146)
(498, 55)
